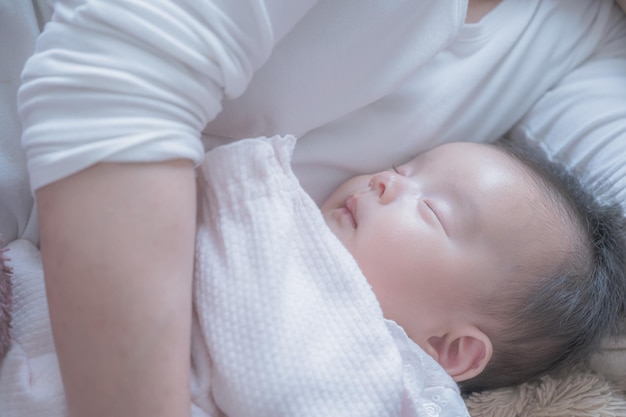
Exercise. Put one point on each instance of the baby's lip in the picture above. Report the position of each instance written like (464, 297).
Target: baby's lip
(350, 205)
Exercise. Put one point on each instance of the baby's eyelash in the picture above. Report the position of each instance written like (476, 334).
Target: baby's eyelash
(395, 169)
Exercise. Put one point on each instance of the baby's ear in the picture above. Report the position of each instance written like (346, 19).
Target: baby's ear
(463, 353)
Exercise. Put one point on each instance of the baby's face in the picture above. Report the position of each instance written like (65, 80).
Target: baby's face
(439, 233)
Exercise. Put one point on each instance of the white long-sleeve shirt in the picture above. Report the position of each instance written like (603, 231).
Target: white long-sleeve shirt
(139, 81)
(363, 84)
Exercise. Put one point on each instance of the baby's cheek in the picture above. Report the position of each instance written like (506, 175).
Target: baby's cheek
(383, 275)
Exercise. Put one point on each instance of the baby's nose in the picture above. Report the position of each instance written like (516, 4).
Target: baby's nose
(388, 185)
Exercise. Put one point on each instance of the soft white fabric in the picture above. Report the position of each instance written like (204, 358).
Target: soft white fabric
(581, 119)
(30, 380)
(289, 323)
(364, 84)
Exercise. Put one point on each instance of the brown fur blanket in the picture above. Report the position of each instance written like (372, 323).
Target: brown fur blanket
(578, 392)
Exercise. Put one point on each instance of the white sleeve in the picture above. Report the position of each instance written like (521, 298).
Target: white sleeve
(582, 120)
(120, 81)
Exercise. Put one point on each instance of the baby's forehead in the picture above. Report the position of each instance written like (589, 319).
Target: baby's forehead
(486, 150)
(467, 160)
(469, 152)
(532, 212)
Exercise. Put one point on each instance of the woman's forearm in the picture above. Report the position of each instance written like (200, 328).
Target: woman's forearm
(117, 243)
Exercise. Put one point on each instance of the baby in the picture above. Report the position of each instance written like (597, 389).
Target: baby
(493, 260)
(471, 264)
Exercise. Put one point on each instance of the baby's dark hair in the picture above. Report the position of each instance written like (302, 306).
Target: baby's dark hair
(572, 303)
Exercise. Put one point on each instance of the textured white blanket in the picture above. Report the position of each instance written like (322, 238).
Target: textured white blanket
(30, 381)
(287, 319)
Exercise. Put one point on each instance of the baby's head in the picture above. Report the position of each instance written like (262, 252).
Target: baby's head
(492, 261)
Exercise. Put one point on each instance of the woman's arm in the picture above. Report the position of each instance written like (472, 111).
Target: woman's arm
(113, 103)
(117, 243)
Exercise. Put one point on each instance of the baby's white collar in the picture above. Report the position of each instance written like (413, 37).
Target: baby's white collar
(428, 389)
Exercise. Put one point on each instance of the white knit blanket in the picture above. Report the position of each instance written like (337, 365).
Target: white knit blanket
(30, 381)
(288, 325)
